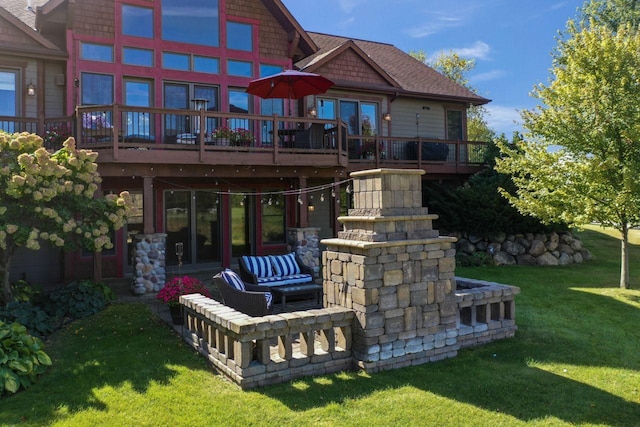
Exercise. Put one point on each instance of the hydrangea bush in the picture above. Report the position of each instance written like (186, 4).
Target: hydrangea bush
(184, 285)
(49, 196)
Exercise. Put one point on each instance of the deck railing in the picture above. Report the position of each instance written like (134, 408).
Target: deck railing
(257, 351)
(117, 127)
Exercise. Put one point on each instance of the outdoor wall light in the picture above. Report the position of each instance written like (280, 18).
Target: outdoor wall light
(310, 206)
(31, 89)
(386, 117)
(312, 111)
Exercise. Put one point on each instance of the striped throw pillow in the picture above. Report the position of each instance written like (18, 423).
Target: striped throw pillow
(285, 265)
(232, 278)
(258, 265)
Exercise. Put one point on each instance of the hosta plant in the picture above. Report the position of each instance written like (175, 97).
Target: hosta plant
(22, 358)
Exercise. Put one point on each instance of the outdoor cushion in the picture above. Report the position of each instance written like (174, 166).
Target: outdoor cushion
(232, 278)
(260, 266)
(284, 265)
(269, 298)
(285, 280)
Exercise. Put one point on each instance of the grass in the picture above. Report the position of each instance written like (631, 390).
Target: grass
(575, 360)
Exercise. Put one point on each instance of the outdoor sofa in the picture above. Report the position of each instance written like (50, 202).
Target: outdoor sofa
(274, 270)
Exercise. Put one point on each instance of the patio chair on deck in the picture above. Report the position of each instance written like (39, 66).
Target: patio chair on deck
(246, 298)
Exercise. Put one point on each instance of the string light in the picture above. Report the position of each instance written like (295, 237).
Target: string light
(322, 197)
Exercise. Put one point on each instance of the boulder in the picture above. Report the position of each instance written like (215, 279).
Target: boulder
(537, 247)
(586, 255)
(563, 248)
(577, 258)
(503, 258)
(553, 241)
(526, 259)
(498, 237)
(465, 246)
(565, 259)
(547, 259)
(513, 248)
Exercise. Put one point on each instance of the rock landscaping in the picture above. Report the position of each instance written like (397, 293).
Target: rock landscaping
(525, 249)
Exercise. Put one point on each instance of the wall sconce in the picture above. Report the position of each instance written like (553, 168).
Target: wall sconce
(386, 117)
(31, 89)
(426, 107)
(310, 205)
(312, 112)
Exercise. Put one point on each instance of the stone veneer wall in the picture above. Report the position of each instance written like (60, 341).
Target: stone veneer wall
(306, 243)
(395, 272)
(149, 273)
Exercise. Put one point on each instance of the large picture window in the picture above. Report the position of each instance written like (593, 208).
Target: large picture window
(191, 21)
(137, 21)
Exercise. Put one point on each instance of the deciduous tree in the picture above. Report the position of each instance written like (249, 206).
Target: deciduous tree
(48, 196)
(582, 160)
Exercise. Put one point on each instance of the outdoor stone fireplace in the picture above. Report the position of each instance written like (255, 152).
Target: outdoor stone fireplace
(398, 275)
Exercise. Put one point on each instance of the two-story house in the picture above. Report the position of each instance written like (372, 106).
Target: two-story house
(158, 89)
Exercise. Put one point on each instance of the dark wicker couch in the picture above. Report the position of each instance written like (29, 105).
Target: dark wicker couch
(251, 301)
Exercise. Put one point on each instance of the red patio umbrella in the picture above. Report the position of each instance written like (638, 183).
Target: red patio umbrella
(289, 84)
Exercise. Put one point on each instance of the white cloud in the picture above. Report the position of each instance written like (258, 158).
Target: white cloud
(436, 23)
(479, 50)
(503, 119)
(347, 6)
(489, 75)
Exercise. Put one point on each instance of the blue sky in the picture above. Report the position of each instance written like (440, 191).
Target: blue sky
(511, 40)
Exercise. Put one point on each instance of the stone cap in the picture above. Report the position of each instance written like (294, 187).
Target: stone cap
(387, 244)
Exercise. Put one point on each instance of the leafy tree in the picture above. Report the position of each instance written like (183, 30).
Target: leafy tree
(591, 116)
(457, 69)
(50, 196)
(611, 13)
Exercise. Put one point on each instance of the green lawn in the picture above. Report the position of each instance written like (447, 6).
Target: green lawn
(575, 360)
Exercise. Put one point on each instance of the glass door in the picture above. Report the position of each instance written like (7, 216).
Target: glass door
(176, 96)
(240, 226)
(139, 126)
(9, 98)
(177, 209)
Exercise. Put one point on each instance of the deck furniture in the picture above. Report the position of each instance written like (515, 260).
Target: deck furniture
(271, 271)
(243, 297)
(294, 290)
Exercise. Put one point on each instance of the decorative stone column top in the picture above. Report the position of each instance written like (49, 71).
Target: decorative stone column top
(388, 192)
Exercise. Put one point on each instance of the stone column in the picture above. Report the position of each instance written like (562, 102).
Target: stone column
(306, 243)
(149, 273)
(395, 272)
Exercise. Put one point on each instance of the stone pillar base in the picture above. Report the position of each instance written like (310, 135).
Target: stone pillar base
(149, 273)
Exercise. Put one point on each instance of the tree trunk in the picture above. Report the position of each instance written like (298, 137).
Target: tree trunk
(624, 258)
(5, 263)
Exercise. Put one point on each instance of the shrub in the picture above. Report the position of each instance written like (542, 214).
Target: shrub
(21, 291)
(22, 358)
(185, 285)
(34, 318)
(77, 299)
(477, 259)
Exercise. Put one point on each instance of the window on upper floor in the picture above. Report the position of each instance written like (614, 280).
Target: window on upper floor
(239, 36)
(455, 131)
(239, 68)
(203, 64)
(96, 52)
(269, 70)
(191, 21)
(137, 21)
(134, 56)
(97, 89)
(175, 61)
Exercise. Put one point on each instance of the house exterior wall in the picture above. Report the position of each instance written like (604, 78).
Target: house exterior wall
(94, 18)
(54, 89)
(350, 67)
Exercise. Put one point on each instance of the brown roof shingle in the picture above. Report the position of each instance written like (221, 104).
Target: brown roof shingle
(412, 76)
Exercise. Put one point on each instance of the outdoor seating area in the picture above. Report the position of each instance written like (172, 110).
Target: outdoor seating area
(274, 270)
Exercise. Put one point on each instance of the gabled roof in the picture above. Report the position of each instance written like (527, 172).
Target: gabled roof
(17, 14)
(298, 37)
(410, 77)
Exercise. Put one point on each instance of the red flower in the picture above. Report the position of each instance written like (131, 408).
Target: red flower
(185, 285)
